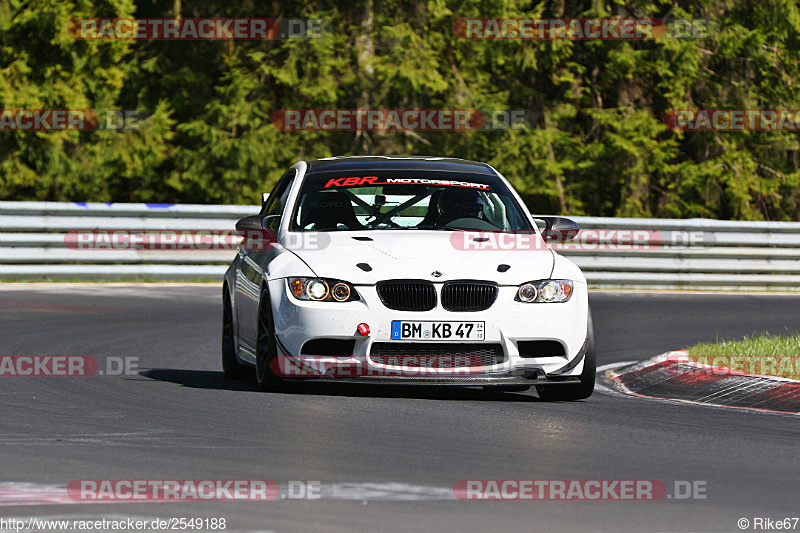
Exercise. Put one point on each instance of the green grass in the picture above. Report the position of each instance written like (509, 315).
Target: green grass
(762, 353)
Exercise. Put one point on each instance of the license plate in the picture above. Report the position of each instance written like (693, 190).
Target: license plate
(437, 331)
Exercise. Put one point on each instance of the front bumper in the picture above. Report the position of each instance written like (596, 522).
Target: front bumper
(485, 380)
(507, 322)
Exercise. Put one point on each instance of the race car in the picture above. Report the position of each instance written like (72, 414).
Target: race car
(406, 270)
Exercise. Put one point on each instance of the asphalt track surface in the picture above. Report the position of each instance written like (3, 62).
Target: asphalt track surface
(178, 418)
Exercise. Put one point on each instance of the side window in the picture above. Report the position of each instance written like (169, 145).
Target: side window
(277, 200)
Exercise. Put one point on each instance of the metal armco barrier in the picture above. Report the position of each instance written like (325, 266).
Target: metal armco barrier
(613, 252)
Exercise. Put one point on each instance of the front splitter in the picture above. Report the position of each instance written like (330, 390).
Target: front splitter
(484, 380)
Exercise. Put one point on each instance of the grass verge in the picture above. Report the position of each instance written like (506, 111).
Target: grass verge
(762, 353)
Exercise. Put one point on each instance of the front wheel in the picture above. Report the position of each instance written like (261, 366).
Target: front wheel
(573, 391)
(266, 348)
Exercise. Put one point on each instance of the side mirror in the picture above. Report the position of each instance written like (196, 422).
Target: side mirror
(258, 232)
(559, 229)
(257, 222)
(253, 222)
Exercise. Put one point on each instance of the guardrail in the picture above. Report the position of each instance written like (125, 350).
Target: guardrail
(613, 252)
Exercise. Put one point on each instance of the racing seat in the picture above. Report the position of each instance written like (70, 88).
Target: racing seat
(327, 210)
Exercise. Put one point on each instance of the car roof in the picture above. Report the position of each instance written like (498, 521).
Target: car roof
(424, 163)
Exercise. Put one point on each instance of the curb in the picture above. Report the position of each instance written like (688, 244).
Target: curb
(672, 376)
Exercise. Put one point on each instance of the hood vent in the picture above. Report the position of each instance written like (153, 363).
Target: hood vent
(364, 266)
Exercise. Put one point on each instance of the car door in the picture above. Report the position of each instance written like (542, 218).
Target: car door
(253, 262)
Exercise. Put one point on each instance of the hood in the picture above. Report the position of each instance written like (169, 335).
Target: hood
(414, 254)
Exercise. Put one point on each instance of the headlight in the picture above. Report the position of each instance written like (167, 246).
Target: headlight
(317, 289)
(527, 292)
(545, 291)
(322, 290)
(341, 292)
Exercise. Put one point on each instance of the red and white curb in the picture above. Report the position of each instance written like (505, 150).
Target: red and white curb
(673, 376)
(14, 494)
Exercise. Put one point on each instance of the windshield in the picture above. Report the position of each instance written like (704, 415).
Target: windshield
(406, 200)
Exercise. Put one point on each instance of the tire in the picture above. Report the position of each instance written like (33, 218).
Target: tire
(230, 365)
(266, 348)
(573, 391)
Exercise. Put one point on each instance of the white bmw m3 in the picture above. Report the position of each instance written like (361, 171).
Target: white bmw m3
(406, 270)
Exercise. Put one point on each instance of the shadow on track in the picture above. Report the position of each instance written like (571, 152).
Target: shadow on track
(198, 379)
(208, 379)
